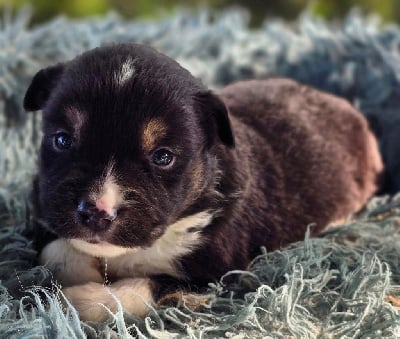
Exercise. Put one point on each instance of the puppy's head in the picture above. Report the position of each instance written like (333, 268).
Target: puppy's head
(128, 144)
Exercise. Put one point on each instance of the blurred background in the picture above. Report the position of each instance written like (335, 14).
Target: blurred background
(388, 10)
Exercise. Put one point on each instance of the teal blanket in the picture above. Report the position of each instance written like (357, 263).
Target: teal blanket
(344, 283)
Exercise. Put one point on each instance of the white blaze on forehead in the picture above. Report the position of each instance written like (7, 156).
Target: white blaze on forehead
(125, 73)
(109, 196)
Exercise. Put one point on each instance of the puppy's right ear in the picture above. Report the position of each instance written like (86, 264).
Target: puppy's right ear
(41, 86)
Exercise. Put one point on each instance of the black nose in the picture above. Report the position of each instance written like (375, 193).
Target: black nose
(90, 216)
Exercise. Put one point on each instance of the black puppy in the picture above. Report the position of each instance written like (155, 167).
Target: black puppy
(140, 179)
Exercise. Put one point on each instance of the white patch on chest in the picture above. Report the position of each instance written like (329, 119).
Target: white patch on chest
(69, 266)
(160, 258)
(125, 73)
(101, 249)
(75, 266)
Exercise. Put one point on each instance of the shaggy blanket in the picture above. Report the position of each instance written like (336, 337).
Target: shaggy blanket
(345, 283)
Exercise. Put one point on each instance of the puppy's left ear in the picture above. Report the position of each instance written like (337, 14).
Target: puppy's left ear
(41, 86)
(216, 119)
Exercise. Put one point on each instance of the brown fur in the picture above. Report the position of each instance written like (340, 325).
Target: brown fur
(153, 131)
(316, 120)
(302, 157)
(256, 163)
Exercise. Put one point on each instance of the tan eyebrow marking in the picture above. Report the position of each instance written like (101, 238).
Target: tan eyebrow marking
(153, 130)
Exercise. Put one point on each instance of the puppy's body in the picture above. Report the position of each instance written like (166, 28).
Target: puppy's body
(107, 187)
(302, 157)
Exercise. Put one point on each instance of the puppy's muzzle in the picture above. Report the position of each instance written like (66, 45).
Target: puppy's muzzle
(90, 216)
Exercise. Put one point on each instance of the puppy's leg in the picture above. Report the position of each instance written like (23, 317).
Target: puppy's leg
(69, 266)
(88, 299)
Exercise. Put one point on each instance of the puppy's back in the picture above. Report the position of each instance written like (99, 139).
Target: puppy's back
(328, 156)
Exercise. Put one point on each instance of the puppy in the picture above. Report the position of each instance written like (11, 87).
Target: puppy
(148, 182)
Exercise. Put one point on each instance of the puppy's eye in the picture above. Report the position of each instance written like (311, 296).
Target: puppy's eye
(62, 141)
(162, 157)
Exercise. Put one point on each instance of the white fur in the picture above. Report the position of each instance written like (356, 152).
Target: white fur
(157, 259)
(101, 249)
(125, 73)
(110, 198)
(92, 299)
(107, 194)
(74, 264)
(69, 266)
(161, 257)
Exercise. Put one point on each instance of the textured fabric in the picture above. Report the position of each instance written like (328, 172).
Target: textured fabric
(337, 285)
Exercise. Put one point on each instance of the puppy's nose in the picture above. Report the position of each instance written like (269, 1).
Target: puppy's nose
(90, 216)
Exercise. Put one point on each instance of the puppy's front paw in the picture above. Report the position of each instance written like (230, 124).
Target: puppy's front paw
(69, 266)
(94, 301)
